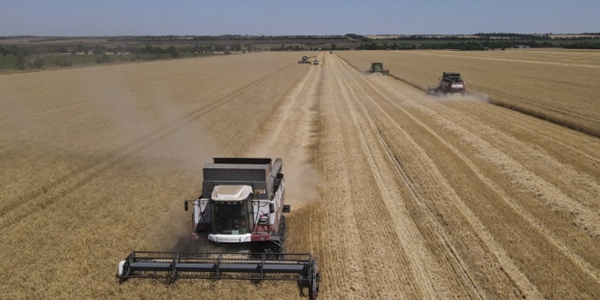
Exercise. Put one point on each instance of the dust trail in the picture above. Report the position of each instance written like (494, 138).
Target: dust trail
(302, 181)
(475, 97)
(301, 178)
(185, 151)
(288, 135)
(178, 148)
(189, 147)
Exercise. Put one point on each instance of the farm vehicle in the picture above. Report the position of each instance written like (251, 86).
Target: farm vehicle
(241, 209)
(450, 83)
(306, 59)
(377, 67)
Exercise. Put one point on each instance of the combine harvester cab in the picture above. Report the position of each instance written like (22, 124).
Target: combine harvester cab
(242, 203)
(241, 207)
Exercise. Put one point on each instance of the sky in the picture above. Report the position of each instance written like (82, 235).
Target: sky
(291, 17)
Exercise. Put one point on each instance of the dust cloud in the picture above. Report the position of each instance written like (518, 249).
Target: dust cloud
(478, 97)
(302, 179)
(158, 133)
(153, 127)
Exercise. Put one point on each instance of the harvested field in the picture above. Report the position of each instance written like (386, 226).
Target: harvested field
(555, 85)
(400, 195)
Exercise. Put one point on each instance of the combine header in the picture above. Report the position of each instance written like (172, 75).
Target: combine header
(241, 207)
(171, 266)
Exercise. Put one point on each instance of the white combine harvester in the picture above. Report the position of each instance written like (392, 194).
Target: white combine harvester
(241, 207)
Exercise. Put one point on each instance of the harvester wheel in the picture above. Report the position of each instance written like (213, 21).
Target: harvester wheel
(273, 249)
(313, 289)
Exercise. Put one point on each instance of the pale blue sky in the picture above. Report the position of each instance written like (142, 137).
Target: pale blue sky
(270, 17)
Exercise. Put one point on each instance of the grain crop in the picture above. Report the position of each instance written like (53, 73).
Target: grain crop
(555, 85)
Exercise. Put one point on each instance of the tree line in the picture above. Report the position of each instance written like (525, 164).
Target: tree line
(473, 45)
(33, 57)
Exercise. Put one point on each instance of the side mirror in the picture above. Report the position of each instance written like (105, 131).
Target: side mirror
(185, 205)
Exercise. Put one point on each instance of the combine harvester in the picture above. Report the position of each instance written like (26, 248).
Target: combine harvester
(450, 83)
(377, 67)
(241, 207)
(306, 59)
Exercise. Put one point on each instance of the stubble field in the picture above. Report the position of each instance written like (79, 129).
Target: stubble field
(400, 195)
(557, 85)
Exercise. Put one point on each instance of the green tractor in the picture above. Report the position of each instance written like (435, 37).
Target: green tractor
(377, 67)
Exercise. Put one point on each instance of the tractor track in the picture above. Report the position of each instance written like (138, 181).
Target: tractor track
(491, 136)
(526, 285)
(30, 203)
(483, 238)
(411, 261)
(582, 264)
(420, 287)
(417, 210)
(545, 134)
(556, 116)
(578, 197)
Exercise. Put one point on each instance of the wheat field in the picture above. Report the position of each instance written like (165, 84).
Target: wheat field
(399, 194)
(557, 85)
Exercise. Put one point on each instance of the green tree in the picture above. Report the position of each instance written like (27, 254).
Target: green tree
(149, 49)
(20, 61)
(80, 48)
(63, 62)
(104, 59)
(174, 52)
(37, 62)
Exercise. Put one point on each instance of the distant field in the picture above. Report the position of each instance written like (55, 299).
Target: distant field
(557, 85)
(7, 63)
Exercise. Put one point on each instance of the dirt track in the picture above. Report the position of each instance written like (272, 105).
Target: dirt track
(400, 195)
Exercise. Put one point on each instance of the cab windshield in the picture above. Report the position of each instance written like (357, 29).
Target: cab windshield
(230, 218)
